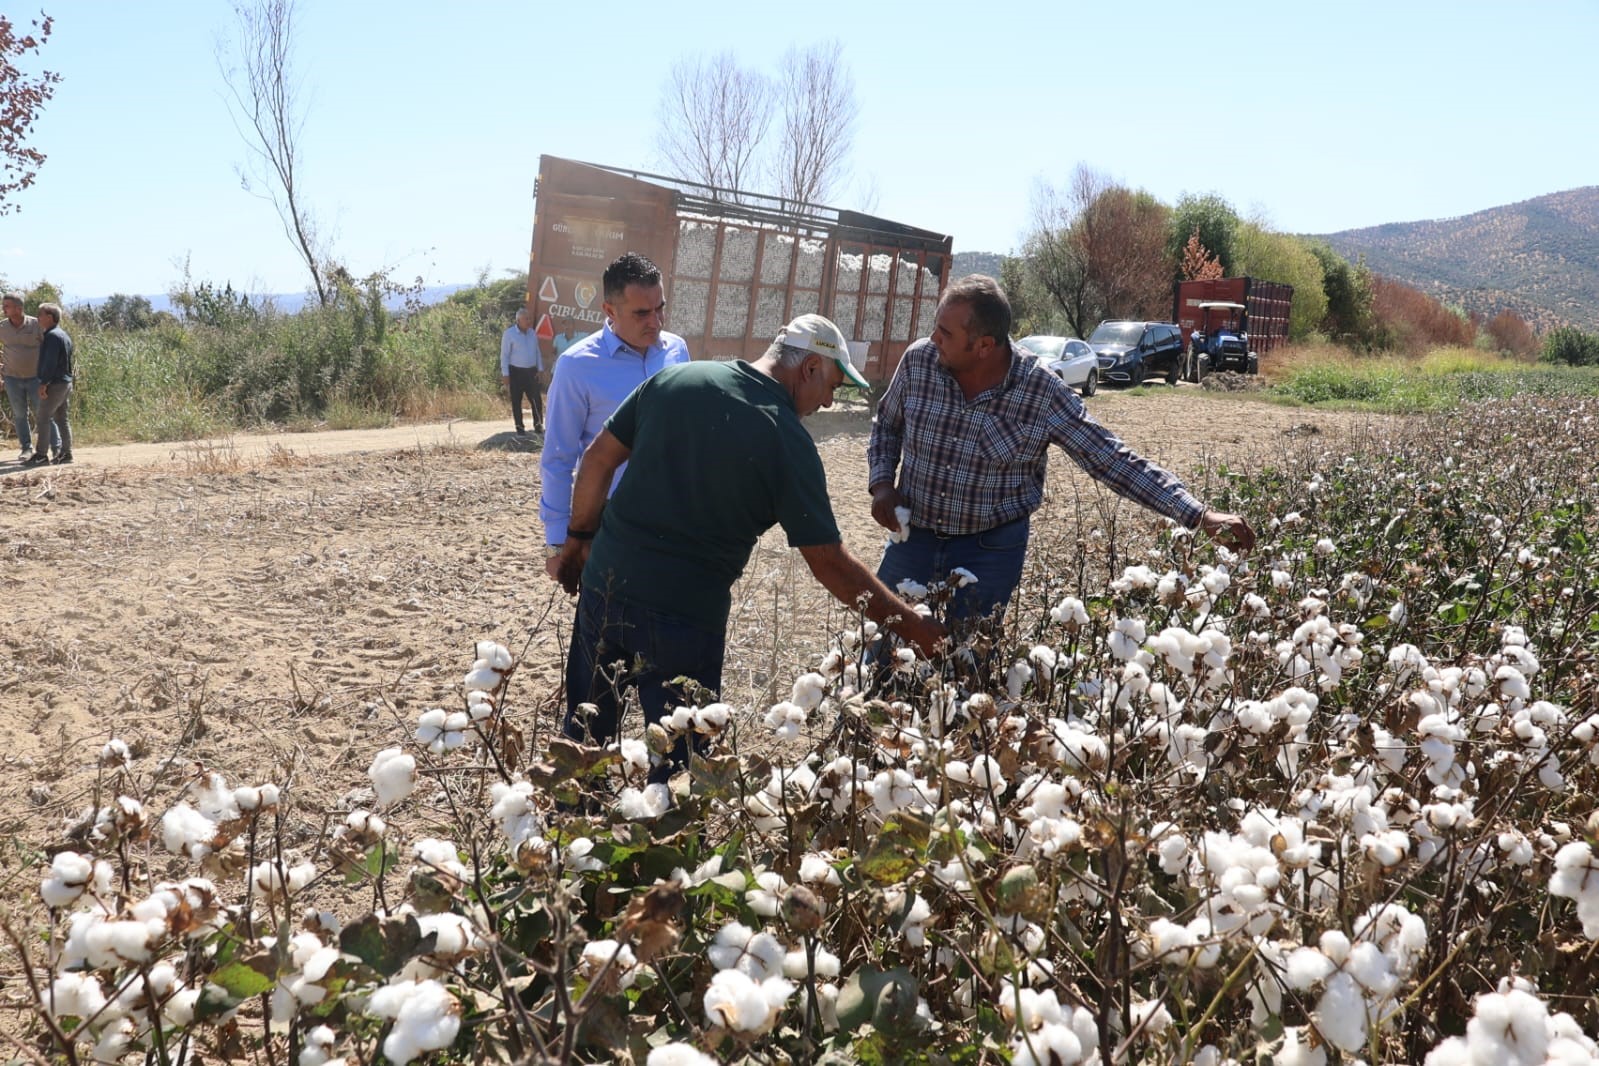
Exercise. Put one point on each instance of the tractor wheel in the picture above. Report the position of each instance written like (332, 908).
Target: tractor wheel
(1090, 383)
(1254, 363)
(1201, 369)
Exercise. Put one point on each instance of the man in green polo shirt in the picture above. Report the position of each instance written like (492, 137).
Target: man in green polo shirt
(716, 456)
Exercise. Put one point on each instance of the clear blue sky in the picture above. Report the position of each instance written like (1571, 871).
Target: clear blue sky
(426, 121)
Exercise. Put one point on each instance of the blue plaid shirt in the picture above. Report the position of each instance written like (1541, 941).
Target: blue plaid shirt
(966, 466)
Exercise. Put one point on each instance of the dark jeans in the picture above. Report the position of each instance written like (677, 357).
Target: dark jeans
(654, 647)
(526, 381)
(994, 557)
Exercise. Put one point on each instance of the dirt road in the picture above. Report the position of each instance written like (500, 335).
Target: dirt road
(271, 606)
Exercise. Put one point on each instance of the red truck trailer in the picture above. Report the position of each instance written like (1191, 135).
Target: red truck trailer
(737, 265)
(1238, 319)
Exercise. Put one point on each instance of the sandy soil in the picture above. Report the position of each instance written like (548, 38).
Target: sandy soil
(270, 606)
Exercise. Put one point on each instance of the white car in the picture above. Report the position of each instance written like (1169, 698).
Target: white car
(1068, 358)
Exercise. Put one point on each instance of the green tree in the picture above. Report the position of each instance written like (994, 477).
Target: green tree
(124, 312)
(1571, 346)
(1271, 256)
(1215, 221)
(1348, 290)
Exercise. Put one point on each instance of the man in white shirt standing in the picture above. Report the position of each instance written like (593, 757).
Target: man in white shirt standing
(521, 368)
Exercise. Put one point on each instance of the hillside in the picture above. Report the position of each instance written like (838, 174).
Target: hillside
(1539, 258)
(975, 263)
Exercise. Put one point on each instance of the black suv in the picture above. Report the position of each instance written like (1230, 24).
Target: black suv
(1129, 352)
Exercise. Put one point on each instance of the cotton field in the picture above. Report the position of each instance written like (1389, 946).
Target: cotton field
(1330, 802)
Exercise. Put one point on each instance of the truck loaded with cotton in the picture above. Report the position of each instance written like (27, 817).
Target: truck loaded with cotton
(737, 265)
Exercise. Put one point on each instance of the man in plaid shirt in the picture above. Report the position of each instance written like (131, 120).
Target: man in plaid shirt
(967, 422)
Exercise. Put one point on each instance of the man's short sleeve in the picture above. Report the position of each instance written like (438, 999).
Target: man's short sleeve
(623, 422)
(803, 508)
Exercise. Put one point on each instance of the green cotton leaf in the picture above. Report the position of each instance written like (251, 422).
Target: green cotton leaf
(241, 981)
(386, 944)
(899, 850)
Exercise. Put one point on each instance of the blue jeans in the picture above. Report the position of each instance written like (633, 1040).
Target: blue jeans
(994, 557)
(655, 647)
(24, 396)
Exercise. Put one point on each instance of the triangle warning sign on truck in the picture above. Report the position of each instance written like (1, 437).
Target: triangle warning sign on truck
(544, 331)
(547, 291)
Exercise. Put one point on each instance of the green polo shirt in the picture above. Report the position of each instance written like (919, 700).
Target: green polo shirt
(718, 457)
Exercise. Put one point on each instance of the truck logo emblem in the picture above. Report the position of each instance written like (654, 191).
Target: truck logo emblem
(547, 291)
(585, 294)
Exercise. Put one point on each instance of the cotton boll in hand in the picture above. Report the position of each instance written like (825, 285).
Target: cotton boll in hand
(902, 515)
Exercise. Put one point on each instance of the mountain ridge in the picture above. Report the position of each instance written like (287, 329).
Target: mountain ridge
(1537, 257)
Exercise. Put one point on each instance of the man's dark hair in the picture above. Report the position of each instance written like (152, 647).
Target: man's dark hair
(990, 310)
(630, 268)
(17, 296)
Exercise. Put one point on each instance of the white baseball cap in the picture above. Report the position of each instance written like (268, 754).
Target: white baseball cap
(813, 333)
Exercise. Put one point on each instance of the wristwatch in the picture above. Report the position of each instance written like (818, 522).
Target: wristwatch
(551, 550)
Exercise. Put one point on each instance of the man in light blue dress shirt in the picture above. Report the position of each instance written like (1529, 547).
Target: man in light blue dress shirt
(595, 375)
(521, 367)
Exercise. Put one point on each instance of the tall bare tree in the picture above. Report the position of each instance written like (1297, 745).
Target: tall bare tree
(714, 115)
(21, 97)
(1098, 250)
(817, 130)
(258, 68)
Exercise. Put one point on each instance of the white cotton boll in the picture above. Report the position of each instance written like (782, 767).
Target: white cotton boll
(711, 719)
(1297, 1050)
(1335, 945)
(902, 518)
(679, 1055)
(482, 676)
(579, 856)
(1052, 1044)
(393, 775)
(1341, 1014)
(1043, 658)
(1173, 851)
(1325, 546)
(681, 720)
(442, 731)
(426, 1018)
(809, 691)
(960, 577)
(1387, 848)
(1509, 1027)
(911, 590)
(1127, 638)
(1150, 1017)
(817, 869)
(495, 656)
(185, 831)
(638, 805)
(1306, 966)
(441, 856)
(635, 755)
(766, 898)
(616, 960)
(1016, 679)
(737, 947)
(786, 719)
(480, 705)
(1280, 580)
(76, 995)
(115, 755)
(70, 874)
(1069, 612)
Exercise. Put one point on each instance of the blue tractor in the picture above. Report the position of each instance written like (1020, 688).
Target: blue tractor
(1220, 341)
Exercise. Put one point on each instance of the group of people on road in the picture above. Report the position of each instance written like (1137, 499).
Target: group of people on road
(36, 366)
(660, 473)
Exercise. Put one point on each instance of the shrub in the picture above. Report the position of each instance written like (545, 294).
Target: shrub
(1570, 346)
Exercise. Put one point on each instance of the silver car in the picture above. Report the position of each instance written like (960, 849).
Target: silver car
(1068, 358)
